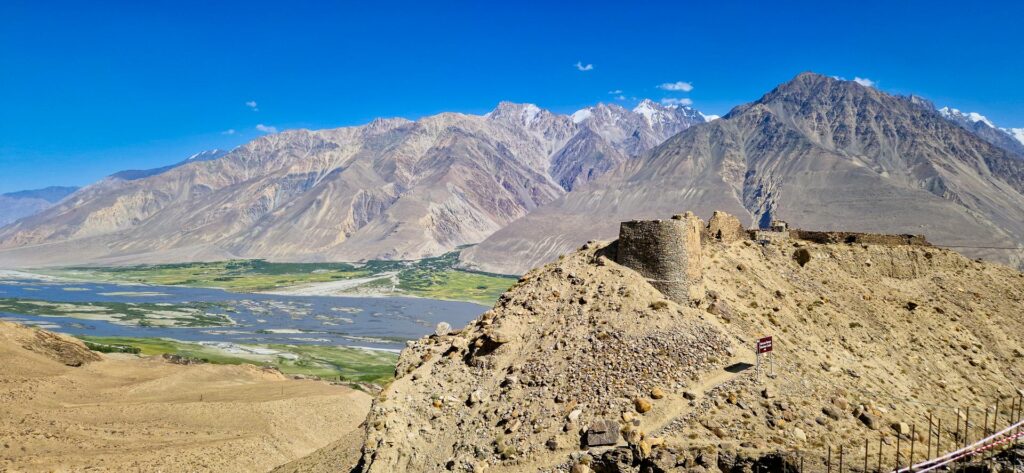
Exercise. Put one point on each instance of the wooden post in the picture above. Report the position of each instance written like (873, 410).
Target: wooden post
(840, 459)
(938, 439)
(1020, 407)
(928, 454)
(828, 463)
(880, 437)
(956, 436)
(898, 451)
(865, 455)
(995, 418)
(984, 429)
(967, 426)
(913, 439)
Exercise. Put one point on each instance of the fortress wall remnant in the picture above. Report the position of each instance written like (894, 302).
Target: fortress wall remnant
(667, 253)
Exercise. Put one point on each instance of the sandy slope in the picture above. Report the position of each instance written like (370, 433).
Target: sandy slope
(125, 413)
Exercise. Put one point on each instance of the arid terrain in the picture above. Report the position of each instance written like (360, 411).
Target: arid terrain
(65, 408)
(583, 362)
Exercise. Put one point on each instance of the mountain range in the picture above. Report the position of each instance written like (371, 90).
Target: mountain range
(391, 189)
(817, 152)
(16, 205)
(524, 185)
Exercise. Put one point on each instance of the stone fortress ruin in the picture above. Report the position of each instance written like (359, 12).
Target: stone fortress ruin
(668, 252)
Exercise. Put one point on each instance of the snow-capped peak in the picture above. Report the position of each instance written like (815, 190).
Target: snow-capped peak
(1016, 133)
(207, 155)
(972, 117)
(523, 113)
(648, 109)
(581, 115)
(709, 118)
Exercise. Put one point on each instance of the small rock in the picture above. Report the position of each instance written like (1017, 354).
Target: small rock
(476, 397)
(581, 468)
(657, 393)
(869, 420)
(602, 432)
(799, 434)
(690, 395)
(768, 393)
(841, 403)
(642, 405)
(833, 412)
(442, 329)
(901, 428)
(574, 415)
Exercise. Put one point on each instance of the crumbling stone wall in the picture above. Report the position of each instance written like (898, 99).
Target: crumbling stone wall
(725, 228)
(864, 238)
(667, 253)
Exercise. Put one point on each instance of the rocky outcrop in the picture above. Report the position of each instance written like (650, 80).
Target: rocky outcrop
(66, 350)
(553, 364)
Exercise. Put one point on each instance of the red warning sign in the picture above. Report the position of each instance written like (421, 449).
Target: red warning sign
(764, 345)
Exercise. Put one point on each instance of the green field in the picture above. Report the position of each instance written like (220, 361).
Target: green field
(328, 362)
(434, 278)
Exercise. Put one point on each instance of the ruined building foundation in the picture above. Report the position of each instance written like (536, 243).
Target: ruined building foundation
(667, 253)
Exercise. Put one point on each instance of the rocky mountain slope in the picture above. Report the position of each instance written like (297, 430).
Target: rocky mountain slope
(391, 189)
(817, 152)
(584, 365)
(21, 204)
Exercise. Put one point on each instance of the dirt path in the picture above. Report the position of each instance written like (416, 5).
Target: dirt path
(675, 405)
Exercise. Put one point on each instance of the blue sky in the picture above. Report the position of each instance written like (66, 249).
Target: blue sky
(90, 88)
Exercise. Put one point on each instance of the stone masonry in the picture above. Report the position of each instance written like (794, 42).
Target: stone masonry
(667, 253)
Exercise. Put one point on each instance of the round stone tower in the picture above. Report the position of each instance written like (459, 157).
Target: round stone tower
(667, 253)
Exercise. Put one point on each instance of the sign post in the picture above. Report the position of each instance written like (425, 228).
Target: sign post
(763, 348)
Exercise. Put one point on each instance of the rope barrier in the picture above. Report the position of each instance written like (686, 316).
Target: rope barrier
(973, 449)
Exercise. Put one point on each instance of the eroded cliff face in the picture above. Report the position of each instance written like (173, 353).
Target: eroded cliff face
(583, 362)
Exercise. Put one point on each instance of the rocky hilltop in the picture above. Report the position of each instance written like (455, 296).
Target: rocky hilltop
(390, 189)
(818, 152)
(584, 365)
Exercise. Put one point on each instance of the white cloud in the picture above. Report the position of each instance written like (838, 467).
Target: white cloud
(615, 92)
(266, 128)
(229, 131)
(679, 86)
(864, 81)
(621, 97)
(252, 105)
(674, 102)
(580, 66)
(860, 80)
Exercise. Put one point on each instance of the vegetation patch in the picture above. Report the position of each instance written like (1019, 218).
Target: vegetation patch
(191, 314)
(327, 362)
(434, 278)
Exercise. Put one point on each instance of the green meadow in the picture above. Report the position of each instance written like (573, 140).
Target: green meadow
(328, 362)
(435, 278)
